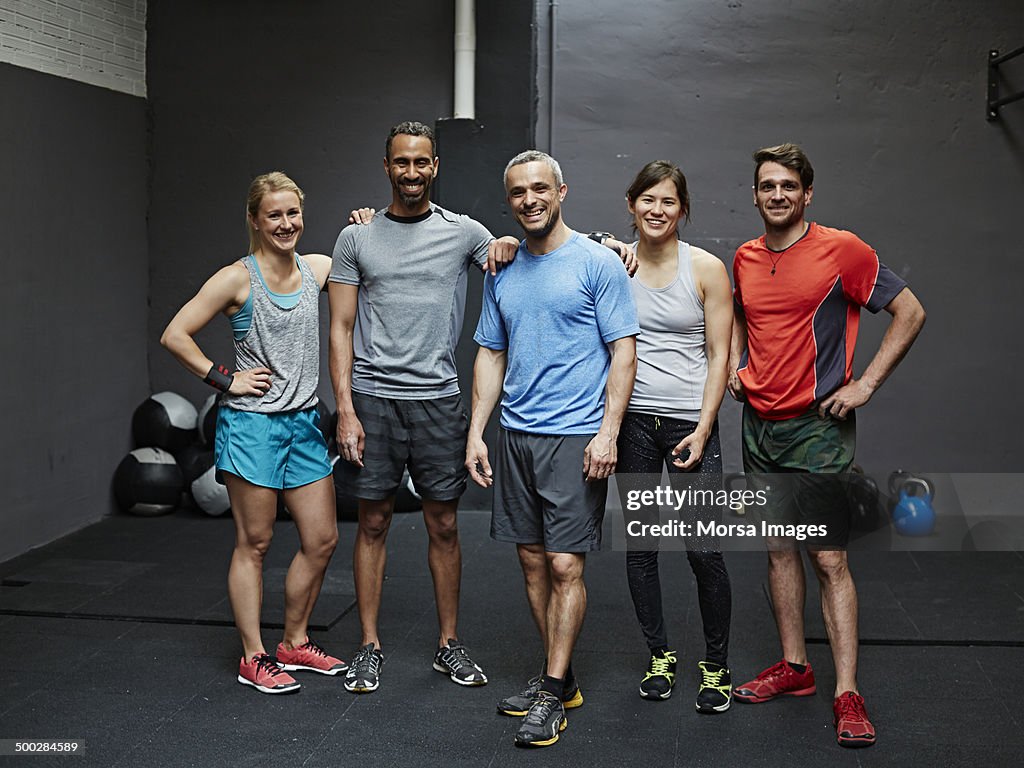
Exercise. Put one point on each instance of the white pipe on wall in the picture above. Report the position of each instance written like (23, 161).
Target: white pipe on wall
(465, 58)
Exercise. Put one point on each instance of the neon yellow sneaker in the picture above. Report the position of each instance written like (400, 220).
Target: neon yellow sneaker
(661, 676)
(715, 694)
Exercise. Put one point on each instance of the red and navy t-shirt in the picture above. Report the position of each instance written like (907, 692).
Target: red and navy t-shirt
(802, 308)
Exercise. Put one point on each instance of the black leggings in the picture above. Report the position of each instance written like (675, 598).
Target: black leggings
(645, 445)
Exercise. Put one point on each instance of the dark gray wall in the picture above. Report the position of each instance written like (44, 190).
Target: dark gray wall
(321, 115)
(318, 108)
(75, 310)
(888, 100)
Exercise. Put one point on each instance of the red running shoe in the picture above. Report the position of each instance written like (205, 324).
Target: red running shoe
(853, 729)
(778, 680)
(263, 674)
(309, 657)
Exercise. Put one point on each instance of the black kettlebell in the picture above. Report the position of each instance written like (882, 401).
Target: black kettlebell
(865, 502)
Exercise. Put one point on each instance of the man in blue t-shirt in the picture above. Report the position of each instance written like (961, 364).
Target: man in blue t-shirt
(557, 344)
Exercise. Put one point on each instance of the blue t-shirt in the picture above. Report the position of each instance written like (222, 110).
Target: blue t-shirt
(555, 314)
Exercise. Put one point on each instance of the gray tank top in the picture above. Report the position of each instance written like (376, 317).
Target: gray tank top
(287, 341)
(672, 364)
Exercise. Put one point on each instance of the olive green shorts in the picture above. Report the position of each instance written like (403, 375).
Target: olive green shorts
(802, 464)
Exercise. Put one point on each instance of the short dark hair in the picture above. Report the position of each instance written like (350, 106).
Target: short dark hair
(788, 156)
(411, 128)
(657, 171)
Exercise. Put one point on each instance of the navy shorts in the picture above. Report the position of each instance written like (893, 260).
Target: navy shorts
(427, 436)
(541, 496)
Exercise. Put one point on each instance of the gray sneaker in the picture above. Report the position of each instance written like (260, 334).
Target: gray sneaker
(543, 722)
(363, 675)
(518, 704)
(453, 660)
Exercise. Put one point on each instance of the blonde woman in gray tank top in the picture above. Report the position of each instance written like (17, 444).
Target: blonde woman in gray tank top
(684, 303)
(268, 439)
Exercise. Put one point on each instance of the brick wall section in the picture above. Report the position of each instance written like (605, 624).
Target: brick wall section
(100, 42)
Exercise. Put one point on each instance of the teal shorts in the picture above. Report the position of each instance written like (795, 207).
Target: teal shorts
(273, 450)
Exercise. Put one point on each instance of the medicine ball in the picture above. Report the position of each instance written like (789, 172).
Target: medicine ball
(166, 420)
(148, 482)
(208, 420)
(210, 495)
(406, 499)
(193, 459)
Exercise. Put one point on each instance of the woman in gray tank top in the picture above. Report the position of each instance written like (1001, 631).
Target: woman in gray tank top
(268, 442)
(684, 304)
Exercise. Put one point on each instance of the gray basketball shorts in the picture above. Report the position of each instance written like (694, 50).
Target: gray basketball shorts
(540, 495)
(427, 436)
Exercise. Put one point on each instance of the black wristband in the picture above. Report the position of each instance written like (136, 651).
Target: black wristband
(219, 377)
(600, 237)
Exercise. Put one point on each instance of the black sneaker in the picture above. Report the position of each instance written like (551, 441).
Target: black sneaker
(544, 721)
(518, 704)
(715, 694)
(363, 675)
(661, 676)
(453, 660)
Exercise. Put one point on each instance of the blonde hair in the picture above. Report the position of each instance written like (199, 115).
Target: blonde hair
(261, 186)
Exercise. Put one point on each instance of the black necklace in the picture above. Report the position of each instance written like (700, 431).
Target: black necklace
(807, 228)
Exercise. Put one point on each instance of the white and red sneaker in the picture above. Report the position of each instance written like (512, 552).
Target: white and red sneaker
(309, 657)
(264, 674)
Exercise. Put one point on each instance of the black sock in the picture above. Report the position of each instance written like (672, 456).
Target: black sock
(801, 668)
(552, 685)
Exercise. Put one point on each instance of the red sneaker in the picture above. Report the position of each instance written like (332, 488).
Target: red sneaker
(778, 680)
(309, 657)
(853, 729)
(263, 674)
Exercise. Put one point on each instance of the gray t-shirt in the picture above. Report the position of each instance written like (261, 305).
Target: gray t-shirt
(412, 276)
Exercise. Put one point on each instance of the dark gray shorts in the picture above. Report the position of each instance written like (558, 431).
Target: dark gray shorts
(540, 496)
(427, 436)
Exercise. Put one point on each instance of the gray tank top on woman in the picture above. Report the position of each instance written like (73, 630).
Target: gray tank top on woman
(287, 341)
(672, 365)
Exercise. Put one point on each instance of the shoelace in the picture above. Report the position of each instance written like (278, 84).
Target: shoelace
(540, 709)
(712, 679)
(850, 709)
(365, 661)
(532, 686)
(269, 664)
(312, 647)
(660, 664)
(460, 658)
(777, 670)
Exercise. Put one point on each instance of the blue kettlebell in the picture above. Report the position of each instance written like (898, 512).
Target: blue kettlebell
(913, 514)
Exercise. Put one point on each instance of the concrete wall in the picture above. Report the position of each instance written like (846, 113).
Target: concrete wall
(74, 312)
(100, 42)
(888, 100)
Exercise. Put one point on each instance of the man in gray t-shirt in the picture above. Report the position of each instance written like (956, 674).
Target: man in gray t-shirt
(397, 294)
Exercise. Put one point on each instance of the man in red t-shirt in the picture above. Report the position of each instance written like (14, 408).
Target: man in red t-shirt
(799, 290)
